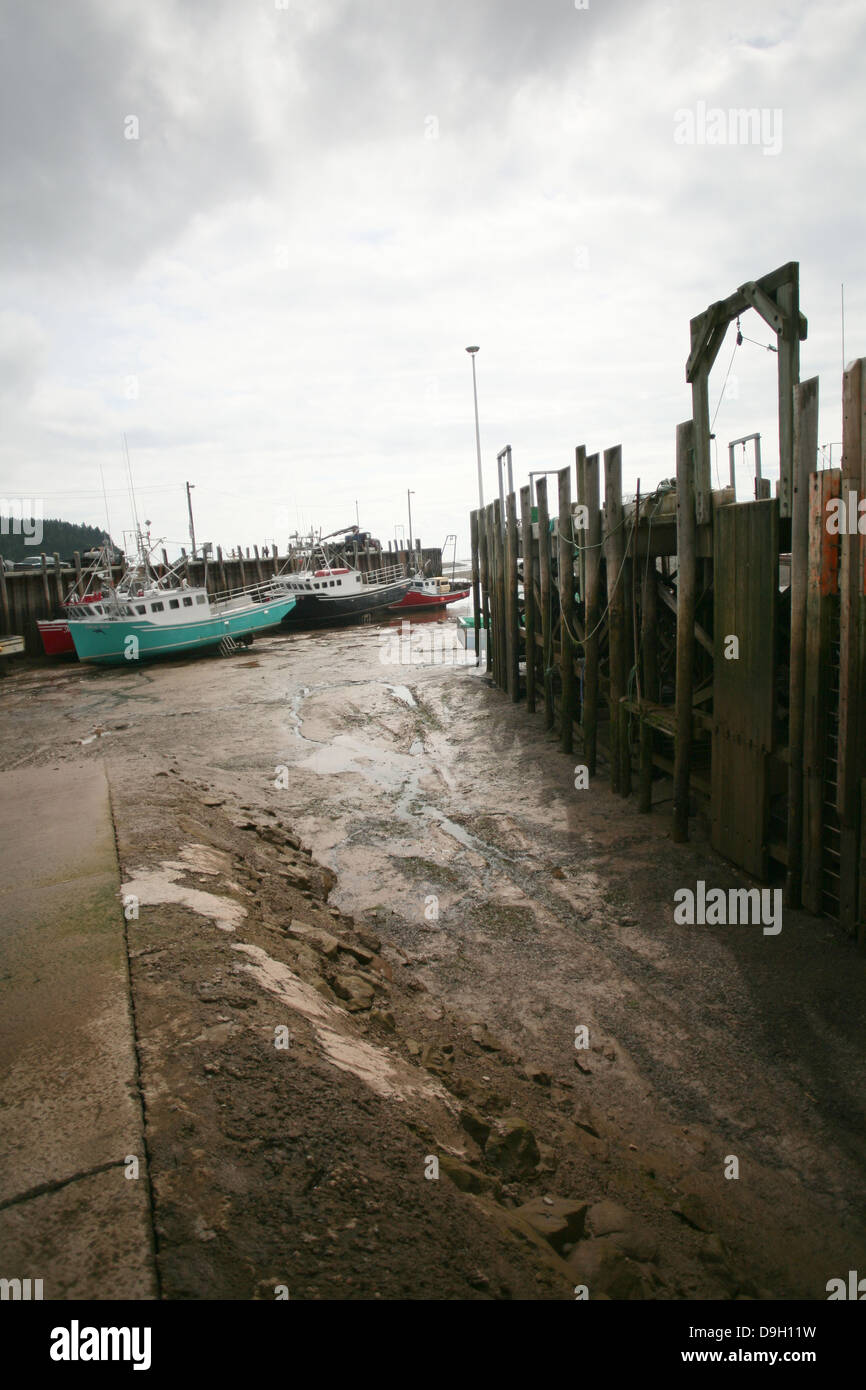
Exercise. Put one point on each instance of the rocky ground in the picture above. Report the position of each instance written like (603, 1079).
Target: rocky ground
(369, 917)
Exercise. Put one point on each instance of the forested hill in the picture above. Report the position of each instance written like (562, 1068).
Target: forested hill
(61, 536)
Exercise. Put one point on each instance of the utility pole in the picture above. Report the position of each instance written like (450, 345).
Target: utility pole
(189, 488)
(409, 500)
(472, 351)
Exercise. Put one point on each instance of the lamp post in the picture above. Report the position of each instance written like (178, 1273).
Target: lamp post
(189, 488)
(472, 351)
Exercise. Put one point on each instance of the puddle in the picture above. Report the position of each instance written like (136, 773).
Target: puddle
(402, 693)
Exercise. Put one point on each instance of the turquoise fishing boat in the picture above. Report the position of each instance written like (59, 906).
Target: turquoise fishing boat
(149, 616)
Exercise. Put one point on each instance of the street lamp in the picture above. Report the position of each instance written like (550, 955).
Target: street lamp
(472, 351)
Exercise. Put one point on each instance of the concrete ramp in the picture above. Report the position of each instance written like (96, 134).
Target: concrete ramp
(71, 1112)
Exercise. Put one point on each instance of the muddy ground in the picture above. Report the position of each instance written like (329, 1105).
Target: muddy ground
(372, 912)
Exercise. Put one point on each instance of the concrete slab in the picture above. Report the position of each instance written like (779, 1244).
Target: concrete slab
(67, 1057)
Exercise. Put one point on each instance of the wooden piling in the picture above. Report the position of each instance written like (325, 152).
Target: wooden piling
(258, 564)
(568, 700)
(805, 450)
(58, 578)
(528, 594)
(545, 588)
(850, 681)
(512, 626)
(615, 563)
(592, 615)
(686, 601)
(476, 575)
(46, 592)
(484, 562)
(4, 601)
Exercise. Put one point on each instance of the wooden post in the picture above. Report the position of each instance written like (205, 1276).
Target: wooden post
(805, 450)
(500, 655)
(645, 784)
(615, 562)
(788, 301)
(544, 573)
(76, 560)
(528, 594)
(4, 600)
(823, 583)
(258, 564)
(850, 692)
(566, 608)
(241, 563)
(592, 540)
(484, 558)
(476, 598)
(58, 578)
(512, 626)
(46, 593)
(222, 568)
(686, 601)
(649, 628)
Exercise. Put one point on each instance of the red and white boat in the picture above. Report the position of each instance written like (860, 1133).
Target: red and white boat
(430, 593)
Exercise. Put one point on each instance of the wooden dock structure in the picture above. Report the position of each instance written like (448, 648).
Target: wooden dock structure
(657, 630)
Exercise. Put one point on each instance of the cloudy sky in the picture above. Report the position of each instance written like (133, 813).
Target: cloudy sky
(256, 238)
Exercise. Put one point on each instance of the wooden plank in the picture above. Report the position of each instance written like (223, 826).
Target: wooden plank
(512, 626)
(473, 531)
(686, 598)
(592, 612)
(850, 684)
(484, 558)
(822, 487)
(499, 658)
(745, 599)
(615, 562)
(544, 586)
(567, 646)
(701, 418)
(788, 300)
(529, 570)
(805, 459)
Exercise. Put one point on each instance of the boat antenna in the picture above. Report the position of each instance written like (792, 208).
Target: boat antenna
(131, 487)
(105, 500)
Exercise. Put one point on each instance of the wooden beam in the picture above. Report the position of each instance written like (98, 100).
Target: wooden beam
(615, 563)
(476, 596)
(592, 608)
(686, 599)
(529, 568)
(789, 375)
(512, 626)
(805, 462)
(544, 576)
(566, 608)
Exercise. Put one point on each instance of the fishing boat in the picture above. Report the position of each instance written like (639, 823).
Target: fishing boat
(430, 593)
(327, 589)
(90, 589)
(150, 615)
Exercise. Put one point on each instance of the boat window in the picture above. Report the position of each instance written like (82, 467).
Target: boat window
(333, 582)
(174, 603)
(157, 607)
(199, 598)
(187, 603)
(140, 608)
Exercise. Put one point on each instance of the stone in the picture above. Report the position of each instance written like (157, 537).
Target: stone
(413, 1047)
(605, 1217)
(691, 1208)
(513, 1149)
(607, 1271)
(384, 1018)
(559, 1219)
(464, 1176)
(356, 993)
(361, 954)
(316, 937)
(538, 1075)
(628, 1233)
(475, 1125)
(369, 938)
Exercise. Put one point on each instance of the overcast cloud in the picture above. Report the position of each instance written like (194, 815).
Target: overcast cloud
(270, 289)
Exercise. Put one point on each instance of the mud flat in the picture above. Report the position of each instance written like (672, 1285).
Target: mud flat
(361, 940)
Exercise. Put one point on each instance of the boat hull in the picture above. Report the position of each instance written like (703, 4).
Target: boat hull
(320, 609)
(56, 637)
(113, 643)
(417, 599)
